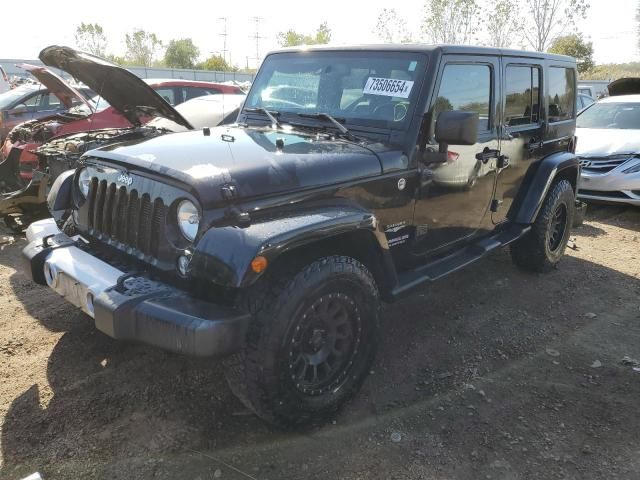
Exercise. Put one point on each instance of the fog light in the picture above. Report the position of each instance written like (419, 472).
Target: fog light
(183, 265)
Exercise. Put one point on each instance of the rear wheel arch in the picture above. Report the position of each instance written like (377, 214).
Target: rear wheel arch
(537, 185)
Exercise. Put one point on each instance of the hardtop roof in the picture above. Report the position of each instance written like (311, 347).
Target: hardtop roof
(431, 48)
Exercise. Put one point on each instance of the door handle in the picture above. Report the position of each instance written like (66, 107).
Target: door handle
(487, 154)
(534, 144)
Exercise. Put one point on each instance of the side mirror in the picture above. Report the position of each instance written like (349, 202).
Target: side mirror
(453, 127)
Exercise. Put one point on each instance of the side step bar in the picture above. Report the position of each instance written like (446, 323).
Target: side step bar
(457, 260)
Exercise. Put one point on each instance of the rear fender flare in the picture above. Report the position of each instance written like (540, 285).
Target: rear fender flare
(558, 165)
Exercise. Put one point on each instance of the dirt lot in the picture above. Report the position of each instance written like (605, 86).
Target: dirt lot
(492, 373)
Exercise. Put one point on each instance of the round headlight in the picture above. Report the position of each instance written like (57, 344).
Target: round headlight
(188, 219)
(84, 180)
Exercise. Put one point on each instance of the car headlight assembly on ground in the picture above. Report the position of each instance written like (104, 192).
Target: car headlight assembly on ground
(188, 219)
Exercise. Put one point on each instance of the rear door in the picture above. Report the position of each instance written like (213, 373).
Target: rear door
(522, 127)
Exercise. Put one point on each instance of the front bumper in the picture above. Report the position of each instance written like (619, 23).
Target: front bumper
(614, 186)
(129, 307)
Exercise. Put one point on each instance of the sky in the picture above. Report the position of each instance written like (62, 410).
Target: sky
(610, 24)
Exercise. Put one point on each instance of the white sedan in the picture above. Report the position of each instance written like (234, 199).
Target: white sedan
(609, 150)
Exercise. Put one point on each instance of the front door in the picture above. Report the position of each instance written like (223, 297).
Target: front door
(455, 196)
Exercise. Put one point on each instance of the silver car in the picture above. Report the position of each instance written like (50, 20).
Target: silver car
(609, 150)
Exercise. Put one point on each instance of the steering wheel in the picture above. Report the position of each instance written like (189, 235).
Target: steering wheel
(355, 103)
(398, 110)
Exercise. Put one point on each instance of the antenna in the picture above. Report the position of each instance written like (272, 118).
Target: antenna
(257, 37)
(224, 36)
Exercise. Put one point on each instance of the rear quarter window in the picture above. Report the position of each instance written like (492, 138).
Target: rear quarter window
(561, 94)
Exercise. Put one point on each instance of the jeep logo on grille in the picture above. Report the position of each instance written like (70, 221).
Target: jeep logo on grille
(125, 179)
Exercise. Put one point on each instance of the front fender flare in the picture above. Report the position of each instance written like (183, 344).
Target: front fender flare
(223, 255)
(539, 181)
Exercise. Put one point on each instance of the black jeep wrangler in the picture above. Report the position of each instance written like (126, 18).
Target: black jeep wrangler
(352, 175)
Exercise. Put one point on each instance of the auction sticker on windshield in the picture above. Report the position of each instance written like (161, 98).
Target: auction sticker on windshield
(388, 87)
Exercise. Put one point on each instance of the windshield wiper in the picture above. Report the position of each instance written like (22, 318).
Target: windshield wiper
(325, 116)
(267, 113)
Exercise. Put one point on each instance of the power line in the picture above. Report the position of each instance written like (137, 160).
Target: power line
(257, 37)
(224, 36)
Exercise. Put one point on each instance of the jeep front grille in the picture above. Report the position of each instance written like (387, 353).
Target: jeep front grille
(127, 217)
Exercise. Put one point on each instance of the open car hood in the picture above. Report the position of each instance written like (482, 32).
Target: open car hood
(56, 85)
(124, 91)
(624, 86)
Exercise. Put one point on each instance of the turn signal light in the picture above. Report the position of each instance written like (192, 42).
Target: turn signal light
(259, 264)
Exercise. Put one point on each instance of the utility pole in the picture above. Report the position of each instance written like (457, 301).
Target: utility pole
(257, 37)
(224, 36)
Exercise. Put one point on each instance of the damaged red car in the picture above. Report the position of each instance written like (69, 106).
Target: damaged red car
(90, 113)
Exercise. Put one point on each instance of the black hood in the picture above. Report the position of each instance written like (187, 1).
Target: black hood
(249, 159)
(624, 86)
(124, 91)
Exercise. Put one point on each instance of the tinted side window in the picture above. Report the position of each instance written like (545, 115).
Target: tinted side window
(167, 94)
(53, 101)
(561, 95)
(467, 88)
(193, 92)
(522, 95)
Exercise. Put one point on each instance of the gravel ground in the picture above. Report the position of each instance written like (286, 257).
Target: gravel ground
(491, 373)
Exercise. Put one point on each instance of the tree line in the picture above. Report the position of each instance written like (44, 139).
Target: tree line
(541, 25)
(146, 49)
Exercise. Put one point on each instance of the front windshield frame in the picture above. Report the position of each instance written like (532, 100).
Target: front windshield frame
(597, 119)
(346, 65)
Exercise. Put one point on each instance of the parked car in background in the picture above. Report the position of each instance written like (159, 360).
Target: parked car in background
(583, 101)
(94, 114)
(32, 101)
(175, 91)
(207, 111)
(609, 146)
(5, 85)
(594, 88)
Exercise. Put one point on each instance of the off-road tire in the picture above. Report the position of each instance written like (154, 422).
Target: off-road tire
(261, 375)
(536, 252)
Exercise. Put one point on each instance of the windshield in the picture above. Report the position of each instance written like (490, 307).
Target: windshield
(359, 88)
(7, 98)
(611, 115)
